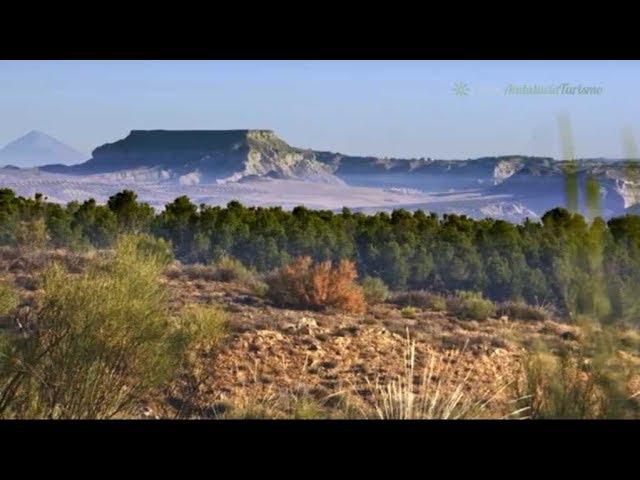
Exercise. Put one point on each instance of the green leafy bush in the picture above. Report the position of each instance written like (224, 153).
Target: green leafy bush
(420, 299)
(8, 299)
(470, 306)
(259, 288)
(229, 269)
(155, 249)
(375, 290)
(205, 324)
(522, 311)
(103, 340)
(409, 312)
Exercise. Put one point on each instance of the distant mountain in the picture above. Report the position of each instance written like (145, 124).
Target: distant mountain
(513, 186)
(203, 156)
(37, 148)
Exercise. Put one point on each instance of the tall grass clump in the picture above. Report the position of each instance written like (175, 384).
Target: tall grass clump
(31, 234)
(303, 284)
(102, 340)
(589, 382)
(559, 387)
(437, 393)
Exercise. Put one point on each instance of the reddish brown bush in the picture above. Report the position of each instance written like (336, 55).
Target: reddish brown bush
(303, 284)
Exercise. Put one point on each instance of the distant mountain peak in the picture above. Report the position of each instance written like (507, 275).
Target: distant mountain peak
(37, 148)
(35, 135)
(37, 132)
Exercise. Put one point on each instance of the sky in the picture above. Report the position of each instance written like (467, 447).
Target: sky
(412, 109)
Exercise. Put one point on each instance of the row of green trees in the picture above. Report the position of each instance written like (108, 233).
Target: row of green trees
(564, 260)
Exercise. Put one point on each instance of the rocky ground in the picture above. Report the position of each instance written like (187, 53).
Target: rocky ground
(282, 363)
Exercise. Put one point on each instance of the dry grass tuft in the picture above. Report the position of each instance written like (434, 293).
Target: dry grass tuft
(437, 394)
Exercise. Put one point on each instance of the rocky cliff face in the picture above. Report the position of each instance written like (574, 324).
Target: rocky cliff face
(542, 186)
(427, 174)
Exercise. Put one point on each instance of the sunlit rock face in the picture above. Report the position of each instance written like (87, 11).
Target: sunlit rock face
(505, 169)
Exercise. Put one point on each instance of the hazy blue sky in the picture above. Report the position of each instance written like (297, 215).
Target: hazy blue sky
(392, 108)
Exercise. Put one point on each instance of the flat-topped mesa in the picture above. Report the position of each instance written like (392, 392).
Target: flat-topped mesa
(197, 156)
(150, 140)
